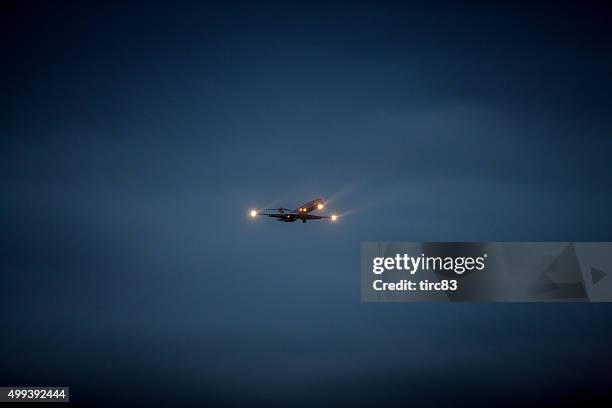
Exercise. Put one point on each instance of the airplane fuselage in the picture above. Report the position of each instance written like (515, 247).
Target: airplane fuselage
(301, 213)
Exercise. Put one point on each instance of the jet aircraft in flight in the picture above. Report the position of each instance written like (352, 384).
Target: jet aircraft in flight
(302, 213)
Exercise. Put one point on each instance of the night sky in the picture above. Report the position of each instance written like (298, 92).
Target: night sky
(134, 138)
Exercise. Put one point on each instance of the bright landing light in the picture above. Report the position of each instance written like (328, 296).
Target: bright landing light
(320, 206)
(334, 217)
(253, 213)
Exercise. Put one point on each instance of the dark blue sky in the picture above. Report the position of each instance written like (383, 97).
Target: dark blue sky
(136, 137)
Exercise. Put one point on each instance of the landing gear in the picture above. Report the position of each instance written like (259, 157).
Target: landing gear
(304, 221)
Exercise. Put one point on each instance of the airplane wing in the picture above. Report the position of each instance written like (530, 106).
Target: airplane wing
(316, 204)
(315, 217)
(275, 215)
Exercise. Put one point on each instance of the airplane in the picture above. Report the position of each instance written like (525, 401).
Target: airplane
(302, 213)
